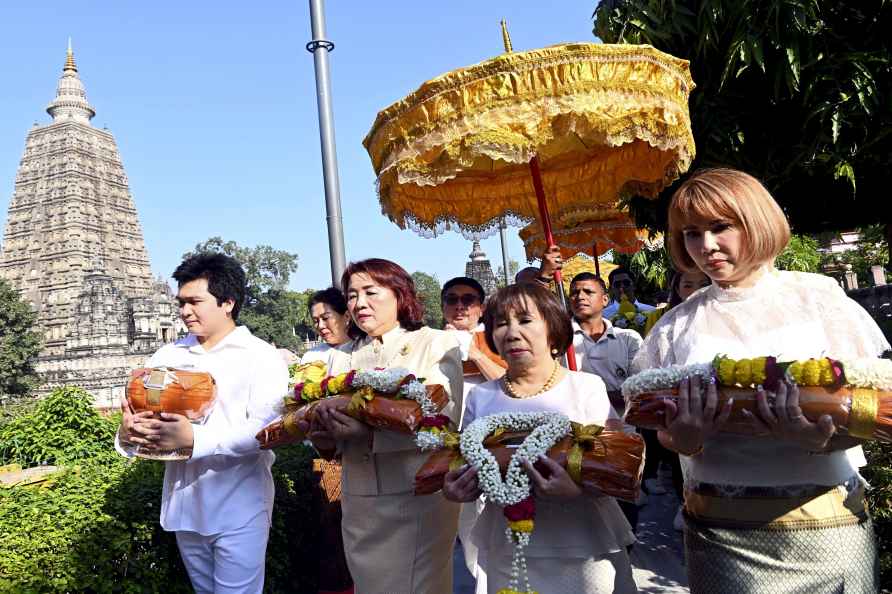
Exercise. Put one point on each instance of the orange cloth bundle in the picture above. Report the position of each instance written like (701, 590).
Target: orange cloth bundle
(610, 461)
(189, 393)
(858, 412)
(479, 339)
(381, 411)
(856, 393)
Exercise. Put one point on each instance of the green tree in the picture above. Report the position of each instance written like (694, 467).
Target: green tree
(796, 92)
(280, 317)
(19, 344)
(428, 289)
(651, 269)
(801, 254)
(266, 268)
(872, 250)
(513, 267)
(271, 311)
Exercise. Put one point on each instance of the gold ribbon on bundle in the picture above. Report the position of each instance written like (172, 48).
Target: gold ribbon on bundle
(289, 417)
(289, 422)
(863, 416)
(360, 399)
(456, 463)
(451, 439)
(585, 437)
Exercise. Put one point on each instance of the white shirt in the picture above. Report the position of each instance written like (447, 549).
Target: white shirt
(610, 357)
(227, 481)
(317, 353)
(613, 307)
(789, 315)
(465, 338)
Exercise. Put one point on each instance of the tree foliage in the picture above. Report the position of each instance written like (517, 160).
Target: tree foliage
(266, 268)
(513, 267)
(796, 92)
(428, 289)
(19, 344)
(93, 527)
(872, 250)
(280, 317)
(801, 254)
(651, 270)
(271, 311)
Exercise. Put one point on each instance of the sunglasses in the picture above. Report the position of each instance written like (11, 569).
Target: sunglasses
(622, 283)
(467, 300)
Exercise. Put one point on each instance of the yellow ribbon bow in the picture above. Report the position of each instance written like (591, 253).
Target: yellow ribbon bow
(360, 399)
(585, 437)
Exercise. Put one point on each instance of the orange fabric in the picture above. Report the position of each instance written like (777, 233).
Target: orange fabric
(470, 368)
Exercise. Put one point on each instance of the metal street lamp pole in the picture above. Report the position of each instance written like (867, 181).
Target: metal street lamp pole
(502, 227)
(320, 48)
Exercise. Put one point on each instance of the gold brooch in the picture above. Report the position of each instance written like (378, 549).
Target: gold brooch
(405, 350)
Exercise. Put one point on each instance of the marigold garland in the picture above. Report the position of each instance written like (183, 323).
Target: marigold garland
(767, 371)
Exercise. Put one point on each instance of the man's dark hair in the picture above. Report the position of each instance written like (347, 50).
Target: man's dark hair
(619, 270)
(588, 276)
(332, 297)
(465, 282)
(225, 277)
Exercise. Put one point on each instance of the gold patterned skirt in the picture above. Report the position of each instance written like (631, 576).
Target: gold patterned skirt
(816, 540)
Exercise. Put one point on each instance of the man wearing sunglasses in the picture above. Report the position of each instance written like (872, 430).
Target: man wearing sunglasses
(462, 300)
(622, 284)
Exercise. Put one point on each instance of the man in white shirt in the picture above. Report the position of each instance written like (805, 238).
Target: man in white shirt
(219, 502)
(462, 299)
(622, 284)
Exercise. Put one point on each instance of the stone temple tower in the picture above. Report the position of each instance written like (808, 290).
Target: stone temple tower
(74, 249)
(479, 268)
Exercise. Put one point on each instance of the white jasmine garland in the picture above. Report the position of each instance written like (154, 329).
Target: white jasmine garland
(875, 374)
(664, 378)
(386, 381)
(871, 373)
(546, 429)
(429, 440)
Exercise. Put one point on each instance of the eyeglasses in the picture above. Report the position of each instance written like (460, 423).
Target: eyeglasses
(623, 282)
(467, 299)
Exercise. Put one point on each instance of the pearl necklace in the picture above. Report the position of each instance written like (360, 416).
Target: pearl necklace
(509, 387)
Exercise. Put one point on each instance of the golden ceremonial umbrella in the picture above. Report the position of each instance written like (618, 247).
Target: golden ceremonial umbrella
(526, 133)
(596, 229)
(583, 263)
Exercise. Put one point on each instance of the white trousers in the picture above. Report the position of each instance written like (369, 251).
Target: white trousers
(231, 562)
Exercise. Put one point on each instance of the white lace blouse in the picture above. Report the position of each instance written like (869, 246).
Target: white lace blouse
(789, 315)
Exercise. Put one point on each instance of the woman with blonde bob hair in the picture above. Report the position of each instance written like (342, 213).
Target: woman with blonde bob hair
(783, 511)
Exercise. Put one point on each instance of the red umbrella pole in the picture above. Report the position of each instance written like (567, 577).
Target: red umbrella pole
(549, 239)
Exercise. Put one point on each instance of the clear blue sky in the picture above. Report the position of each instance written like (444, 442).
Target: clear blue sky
(214, 110)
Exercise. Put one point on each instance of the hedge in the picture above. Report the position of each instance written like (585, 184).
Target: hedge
(94, 527)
